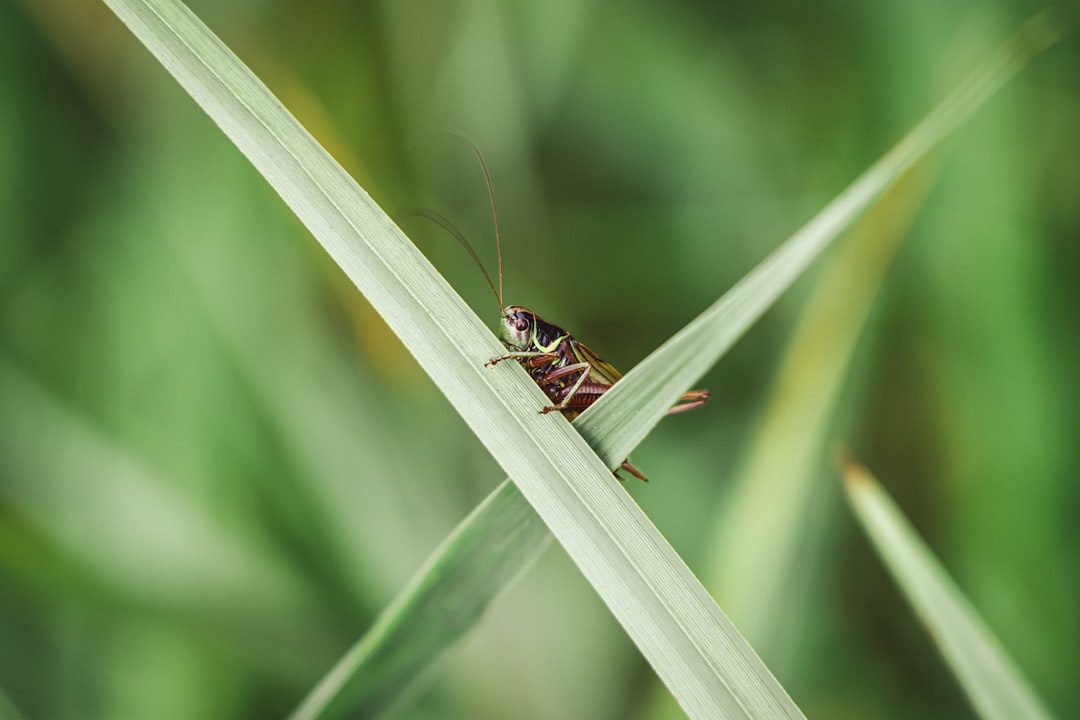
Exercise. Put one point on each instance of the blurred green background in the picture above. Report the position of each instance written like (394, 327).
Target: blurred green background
(217, 464)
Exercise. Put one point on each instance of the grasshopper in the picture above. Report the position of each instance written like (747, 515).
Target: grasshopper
(568, 371)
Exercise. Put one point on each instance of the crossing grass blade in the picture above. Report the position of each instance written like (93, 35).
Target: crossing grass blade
(494, 544)
(662, 606)
(756, 588)
(365, 677)
(681, 361)
(702, 659)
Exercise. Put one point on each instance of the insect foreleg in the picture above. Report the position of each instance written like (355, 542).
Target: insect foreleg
(532, 359)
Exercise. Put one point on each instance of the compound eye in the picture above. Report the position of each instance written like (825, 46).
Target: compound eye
(521, 323)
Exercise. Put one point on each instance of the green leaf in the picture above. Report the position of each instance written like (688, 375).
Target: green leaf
(495, 543)
(658, 380)
(996, 687)
(430, 602)
(705, 663)
(423, 618)
(755, 588)
(677, 626)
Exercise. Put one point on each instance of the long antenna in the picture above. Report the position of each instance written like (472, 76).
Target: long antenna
(448, 226)
(491, 197)
(494, 213)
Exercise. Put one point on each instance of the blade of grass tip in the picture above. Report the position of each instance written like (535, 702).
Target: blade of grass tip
(994, 685)
(756, 588)
(707, 666)
(755, 294)
(683, 359)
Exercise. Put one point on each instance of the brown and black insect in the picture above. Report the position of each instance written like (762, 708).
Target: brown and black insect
(568, 371)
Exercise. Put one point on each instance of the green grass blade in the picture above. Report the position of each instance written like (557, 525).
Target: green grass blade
(755, 588)
(496, 542)
(991, 680)
(691, 645)
(658, 380)
(726, 320)
(368, 676)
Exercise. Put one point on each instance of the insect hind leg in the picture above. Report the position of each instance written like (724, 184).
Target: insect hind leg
(556, 375)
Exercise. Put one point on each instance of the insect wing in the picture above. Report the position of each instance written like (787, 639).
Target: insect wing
(603, 371)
